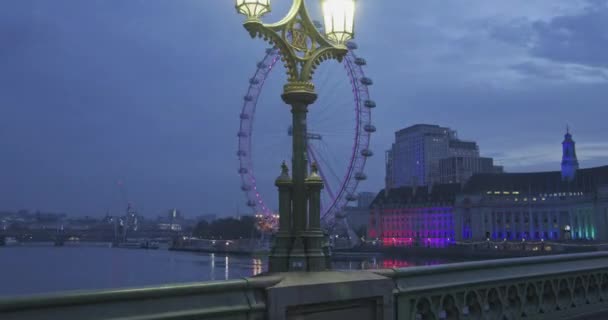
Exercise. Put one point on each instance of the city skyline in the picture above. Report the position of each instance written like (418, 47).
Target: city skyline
(144, 92)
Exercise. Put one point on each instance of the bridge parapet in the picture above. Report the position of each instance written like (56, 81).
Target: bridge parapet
(548, 287)
(233, 299)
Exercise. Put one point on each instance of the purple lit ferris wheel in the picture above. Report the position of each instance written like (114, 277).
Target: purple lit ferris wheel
(339, 130)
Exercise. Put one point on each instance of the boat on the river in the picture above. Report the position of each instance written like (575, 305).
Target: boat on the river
(138, 244)
(8, 241)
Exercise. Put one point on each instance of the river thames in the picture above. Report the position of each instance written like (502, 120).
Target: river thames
(26, 270)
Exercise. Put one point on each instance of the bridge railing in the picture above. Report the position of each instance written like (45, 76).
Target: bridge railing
(233, 299)
(547, 287)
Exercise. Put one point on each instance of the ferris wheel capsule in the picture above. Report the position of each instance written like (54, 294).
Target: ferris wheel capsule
(351, 197)
(360, 62)
(360, 176)
(367, 153)
(367, 81)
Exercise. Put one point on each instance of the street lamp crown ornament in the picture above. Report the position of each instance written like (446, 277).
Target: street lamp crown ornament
(253, 9)
(302, 46)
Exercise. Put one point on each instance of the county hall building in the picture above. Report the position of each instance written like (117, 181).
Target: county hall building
(571, 204)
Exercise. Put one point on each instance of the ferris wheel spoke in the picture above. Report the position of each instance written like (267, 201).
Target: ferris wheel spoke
(328, 168)
(341, 181)
(326, 104)
(330, 119)
(321, 171)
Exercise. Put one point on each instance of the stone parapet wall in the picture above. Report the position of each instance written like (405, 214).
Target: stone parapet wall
(549, 287)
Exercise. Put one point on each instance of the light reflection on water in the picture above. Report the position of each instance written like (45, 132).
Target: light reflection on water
(41, 269)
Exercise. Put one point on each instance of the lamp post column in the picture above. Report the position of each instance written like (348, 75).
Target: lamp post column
(299, 96)
(299, 101)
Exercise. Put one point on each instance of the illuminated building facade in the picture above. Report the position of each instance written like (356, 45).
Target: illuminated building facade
(420, 216)
(571, 204)
(534, 206)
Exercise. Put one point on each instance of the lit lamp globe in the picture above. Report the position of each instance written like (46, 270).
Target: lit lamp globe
(253, 9)
(339, 18)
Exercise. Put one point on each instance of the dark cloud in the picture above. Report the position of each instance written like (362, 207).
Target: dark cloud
(579, 38)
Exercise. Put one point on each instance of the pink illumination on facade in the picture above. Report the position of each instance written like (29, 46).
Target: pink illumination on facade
(413, 226)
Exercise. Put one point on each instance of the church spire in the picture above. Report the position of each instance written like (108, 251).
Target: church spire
(569, 160)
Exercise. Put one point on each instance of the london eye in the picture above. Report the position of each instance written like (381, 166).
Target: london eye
(338, 133)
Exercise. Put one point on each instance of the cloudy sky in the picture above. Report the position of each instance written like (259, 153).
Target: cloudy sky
(148, 92)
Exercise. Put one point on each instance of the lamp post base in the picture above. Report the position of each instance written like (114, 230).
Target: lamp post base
(300, 253)
(278, 260)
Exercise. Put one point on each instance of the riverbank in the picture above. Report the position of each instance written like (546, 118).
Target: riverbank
(458, 252)
(236, 252)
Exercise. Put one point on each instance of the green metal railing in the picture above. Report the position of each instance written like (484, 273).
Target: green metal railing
(549, 287)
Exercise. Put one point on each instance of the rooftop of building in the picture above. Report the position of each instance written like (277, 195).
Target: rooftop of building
(586, 180)
(421, 126)
(440, 193)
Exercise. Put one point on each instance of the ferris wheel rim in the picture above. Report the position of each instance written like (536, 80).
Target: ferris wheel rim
(357, 160)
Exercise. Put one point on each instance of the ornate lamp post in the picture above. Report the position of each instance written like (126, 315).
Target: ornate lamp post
(298, 243)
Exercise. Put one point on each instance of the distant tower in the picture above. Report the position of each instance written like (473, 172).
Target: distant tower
(569, 161)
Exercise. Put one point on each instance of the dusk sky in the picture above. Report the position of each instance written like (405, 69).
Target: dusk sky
(149, 92)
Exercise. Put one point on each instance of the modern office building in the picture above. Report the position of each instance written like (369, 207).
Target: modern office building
(415, 157)
(459, 169)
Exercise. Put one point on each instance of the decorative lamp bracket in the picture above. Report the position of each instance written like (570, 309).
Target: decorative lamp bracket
(302, 47)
